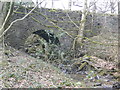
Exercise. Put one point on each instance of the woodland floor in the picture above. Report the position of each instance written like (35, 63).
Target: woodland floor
(20, 70)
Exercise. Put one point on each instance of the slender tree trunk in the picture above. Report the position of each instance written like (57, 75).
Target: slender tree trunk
(2, 15)
(93, 16)
(70, 4)
(5, 7)
(79, 40)
(5, 12)
(119, 40)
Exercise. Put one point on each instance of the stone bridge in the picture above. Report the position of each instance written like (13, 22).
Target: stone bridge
(62, 23)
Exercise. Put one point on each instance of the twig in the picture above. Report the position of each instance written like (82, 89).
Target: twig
(19, 19)
(72, 21)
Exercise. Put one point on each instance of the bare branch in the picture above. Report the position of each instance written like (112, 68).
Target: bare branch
(19, 19)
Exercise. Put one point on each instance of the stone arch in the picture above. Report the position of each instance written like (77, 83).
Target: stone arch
(49, 37)
(18, 34)
(20, 31)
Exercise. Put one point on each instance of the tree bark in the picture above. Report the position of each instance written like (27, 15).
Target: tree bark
(119, 40)
(79, 40)
(6, 9)
(5, 12)
(2, 15)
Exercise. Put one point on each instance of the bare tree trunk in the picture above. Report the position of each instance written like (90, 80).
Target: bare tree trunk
(70, 4)
(79, 39)
(119, 40)
(52, 4)
(82, 25)
(93, 15)
(6, 9)
(112, 6)
(5, 12)
(2, 15)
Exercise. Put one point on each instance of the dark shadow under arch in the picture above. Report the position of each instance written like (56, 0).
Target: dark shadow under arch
(49, 37)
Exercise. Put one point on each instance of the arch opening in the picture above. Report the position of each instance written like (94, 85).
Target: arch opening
(42, 44)
(49, 37)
